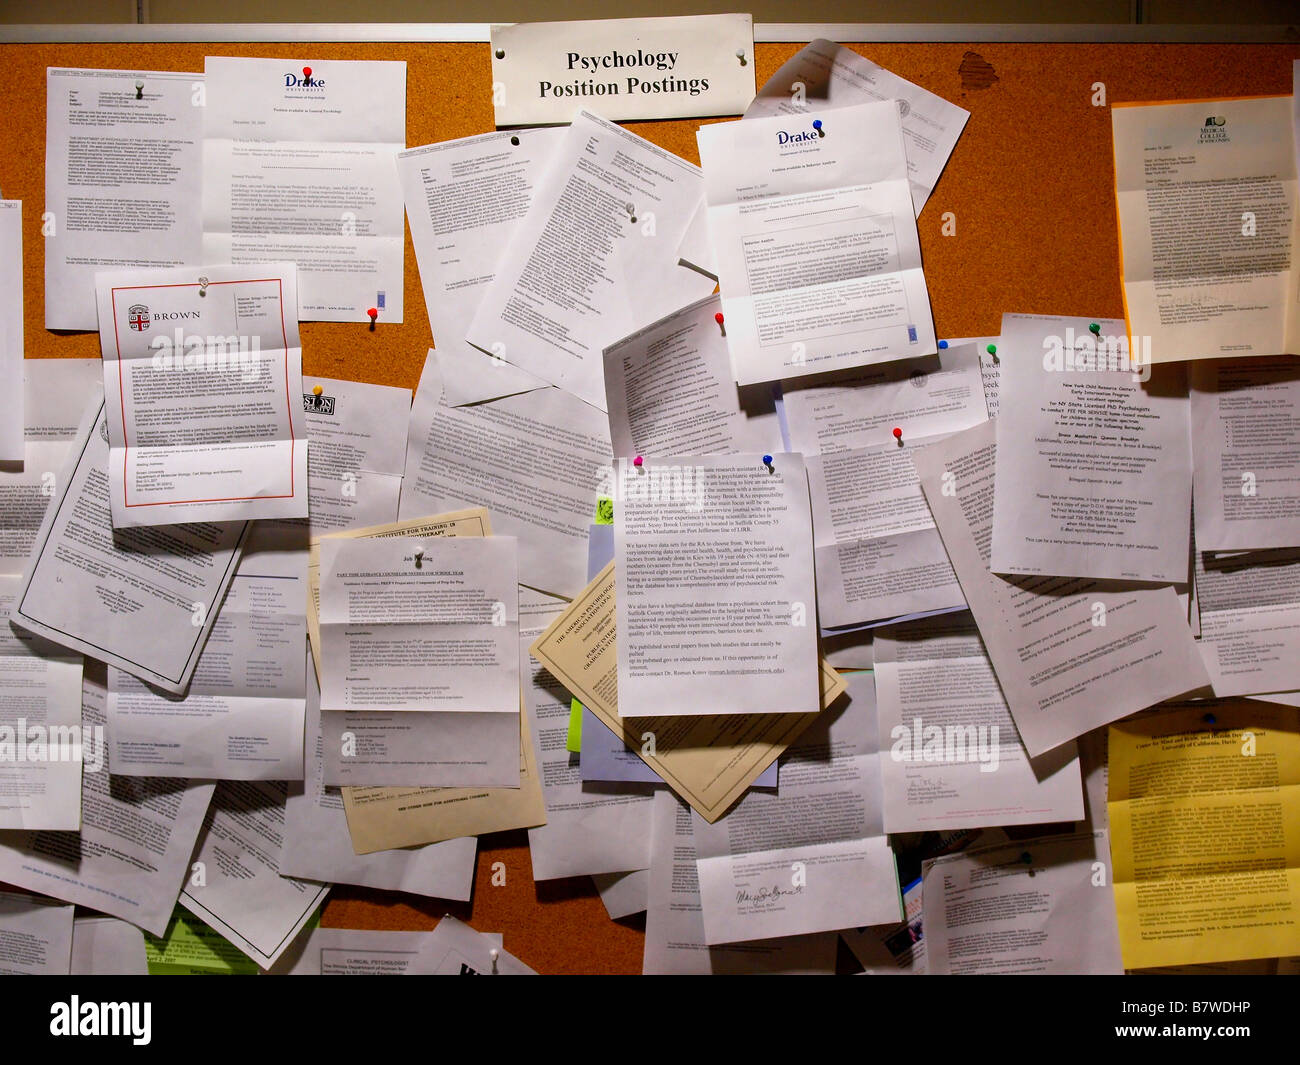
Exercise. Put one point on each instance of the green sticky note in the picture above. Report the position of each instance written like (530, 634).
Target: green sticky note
(604, 511)
(573, 742)
(191, 948)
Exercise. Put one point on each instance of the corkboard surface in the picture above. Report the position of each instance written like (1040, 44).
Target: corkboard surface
(1030, 184)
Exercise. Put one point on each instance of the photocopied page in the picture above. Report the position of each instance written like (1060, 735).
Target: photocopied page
(357, 952)
(623, 894)
(123, 174)
(83, 575)
(892, 949)
(242, 716)
(950, 754)
(1205, 830)
(1104, 488)
(133, 853)
(669, 391)
(1249, 608)
(878, 553)
(1195, 290)
(813, 227)
(56, 393)
(1246, 453)
(462, 748)
(358, 452)
(315, 843)
(594, 259)
(413, 625)
(716, 600)
(824, 75)
(42, 747)
(588, 829)
(35, 936)
(534, 460)
(674, 923)
(235, 884)
(814, 857)
(977, 907)
(204, 419)
(926, 396)
(456, 949)
(12, 418)
(383, 818)
(708, 760)
(1070, 655)
(298, 165)
(465, 199)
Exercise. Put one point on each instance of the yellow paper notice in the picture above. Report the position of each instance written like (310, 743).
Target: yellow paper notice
(1205, 832)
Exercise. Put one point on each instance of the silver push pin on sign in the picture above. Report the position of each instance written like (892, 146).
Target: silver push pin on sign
(139, 90)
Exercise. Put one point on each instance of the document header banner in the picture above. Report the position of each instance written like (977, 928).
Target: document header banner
(687, 67)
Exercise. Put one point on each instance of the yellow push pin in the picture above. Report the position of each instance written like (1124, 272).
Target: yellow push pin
(316, 390)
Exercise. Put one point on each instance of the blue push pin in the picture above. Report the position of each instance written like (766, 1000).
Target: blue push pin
(817, 125)
(767, 461)
(1209, 719)
(943, 344)
(1026, 857)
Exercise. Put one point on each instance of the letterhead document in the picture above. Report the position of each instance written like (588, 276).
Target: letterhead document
(708, 760)
(1205, 831)
(926, 396)
(978, 906)
(11, 331)
(316, 846)
(877, 550)
(242, 716)
(824, 75)
(716, 598)
(123, 176)
(463, 748)
(1070, 655)
(133, 853)
(235, 885)
(534, 460)
(594, 259)
(298, 165)
(202, 374)
(1206, 194)
(812, 224)
(1246, 453)
(35, 936)
(814, 857)
(674, 922)
(143, 600)
(408, 624)
(465, 199)
(42, 748)
(358, 451)
(1094, 464)
(669, 391)
(950, 754)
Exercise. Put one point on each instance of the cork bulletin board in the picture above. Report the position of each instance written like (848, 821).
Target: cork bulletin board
(1030, 186)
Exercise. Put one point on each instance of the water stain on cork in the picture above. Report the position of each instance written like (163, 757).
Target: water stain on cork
(976, 71)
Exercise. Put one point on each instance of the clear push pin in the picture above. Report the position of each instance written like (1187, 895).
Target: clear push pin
(419, 555)
(203, 286)
(494, 954)
(740, 54)
(139, 90)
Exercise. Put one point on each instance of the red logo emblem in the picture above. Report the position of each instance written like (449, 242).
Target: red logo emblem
(137, 317)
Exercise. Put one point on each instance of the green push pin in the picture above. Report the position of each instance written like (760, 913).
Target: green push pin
(992, 349)
(1095, 329)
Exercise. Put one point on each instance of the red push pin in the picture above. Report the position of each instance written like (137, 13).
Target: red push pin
(374, 316)
(637, 462)
(306, 75)
(722, 328)
(898, 435)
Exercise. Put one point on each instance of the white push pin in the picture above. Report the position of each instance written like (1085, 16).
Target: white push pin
(419, 555)
(139, 90)
(203, 286)
(740, 54)
(494, 954)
